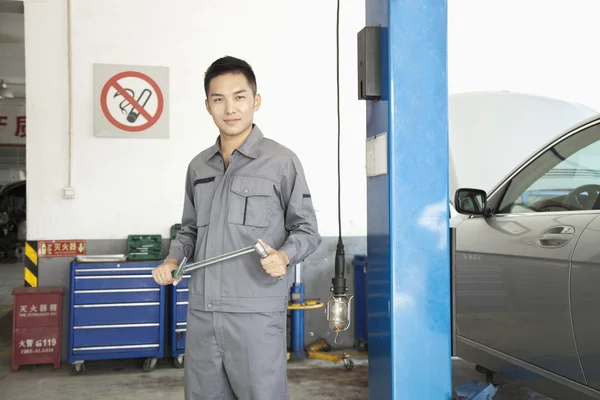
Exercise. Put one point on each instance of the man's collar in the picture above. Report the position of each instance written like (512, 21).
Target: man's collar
(214, 149)
(249, 148)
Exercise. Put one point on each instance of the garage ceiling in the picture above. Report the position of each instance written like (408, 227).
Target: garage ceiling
(12, 46)
(11, 7)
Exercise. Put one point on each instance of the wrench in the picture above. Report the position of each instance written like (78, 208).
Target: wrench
(257, 247)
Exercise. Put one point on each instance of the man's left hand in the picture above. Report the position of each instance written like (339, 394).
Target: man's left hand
(275, 264)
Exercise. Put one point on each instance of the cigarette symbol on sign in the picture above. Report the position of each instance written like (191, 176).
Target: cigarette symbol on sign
(142, 100)
(141, 103)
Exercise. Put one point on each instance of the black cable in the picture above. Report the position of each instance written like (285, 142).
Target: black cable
(339, 279)
(337, 48)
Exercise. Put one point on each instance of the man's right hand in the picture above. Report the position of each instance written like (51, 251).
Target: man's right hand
(163, 274)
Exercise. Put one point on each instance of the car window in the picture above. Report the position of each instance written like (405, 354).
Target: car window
(565, 177)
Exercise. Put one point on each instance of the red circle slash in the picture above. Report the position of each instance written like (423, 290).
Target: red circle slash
(114, 82)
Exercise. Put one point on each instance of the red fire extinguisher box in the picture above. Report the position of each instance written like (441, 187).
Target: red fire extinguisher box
(37, 320)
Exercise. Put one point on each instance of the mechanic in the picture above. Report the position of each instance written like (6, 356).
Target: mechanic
(242, 189)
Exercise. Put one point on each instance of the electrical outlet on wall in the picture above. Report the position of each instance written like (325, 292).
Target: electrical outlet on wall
(69, 193)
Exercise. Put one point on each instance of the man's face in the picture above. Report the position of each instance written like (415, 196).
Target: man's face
(231, 104)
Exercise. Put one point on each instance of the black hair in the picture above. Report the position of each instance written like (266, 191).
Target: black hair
(228, 64)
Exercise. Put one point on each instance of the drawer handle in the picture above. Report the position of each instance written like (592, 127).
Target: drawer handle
(116, 305)
(115, 326)
(112, 269)
(116, 291)
(133, 346)
(115, 277)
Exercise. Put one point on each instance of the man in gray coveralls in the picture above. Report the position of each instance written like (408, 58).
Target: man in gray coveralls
(242, 189)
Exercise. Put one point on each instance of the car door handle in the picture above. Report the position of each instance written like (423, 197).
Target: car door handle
(556, 236)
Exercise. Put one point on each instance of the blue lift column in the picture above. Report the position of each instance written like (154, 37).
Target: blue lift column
(408, 252)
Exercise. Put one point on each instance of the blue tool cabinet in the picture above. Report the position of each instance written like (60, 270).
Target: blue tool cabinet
(178, 319)
(116, 311)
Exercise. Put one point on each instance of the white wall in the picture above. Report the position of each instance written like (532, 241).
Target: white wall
(537, 47)
(136, 186)
(540, 47)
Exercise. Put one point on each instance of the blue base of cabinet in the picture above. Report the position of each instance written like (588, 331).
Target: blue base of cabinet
(116, 311)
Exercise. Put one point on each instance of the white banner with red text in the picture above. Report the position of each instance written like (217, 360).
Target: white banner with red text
(12, 123)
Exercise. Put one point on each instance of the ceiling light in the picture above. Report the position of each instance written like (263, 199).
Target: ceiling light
(5, 92)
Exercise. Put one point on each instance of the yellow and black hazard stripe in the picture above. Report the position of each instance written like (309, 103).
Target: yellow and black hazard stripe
(31, 263)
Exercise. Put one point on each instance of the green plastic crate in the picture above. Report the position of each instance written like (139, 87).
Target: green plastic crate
(174, 229)
(144, 247)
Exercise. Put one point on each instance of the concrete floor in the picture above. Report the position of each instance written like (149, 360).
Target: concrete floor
(11, 276)
(124, 379)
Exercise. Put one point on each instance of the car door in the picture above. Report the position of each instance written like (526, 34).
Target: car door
(585, 299)
(513, 267)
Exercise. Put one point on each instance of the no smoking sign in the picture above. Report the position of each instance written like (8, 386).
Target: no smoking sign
(131, 101)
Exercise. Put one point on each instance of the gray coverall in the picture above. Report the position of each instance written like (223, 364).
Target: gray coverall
(236, 321)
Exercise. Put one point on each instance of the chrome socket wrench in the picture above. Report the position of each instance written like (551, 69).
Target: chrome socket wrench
(257, 247)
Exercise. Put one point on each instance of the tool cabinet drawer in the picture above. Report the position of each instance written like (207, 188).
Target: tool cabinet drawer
(114, 335)
(116, 352)
(109, 269)
(99, 282)
(181, 327)
(108, 296)
(114, 276)
(118, 313)
(185, 282)
(181, 311)
(183, 295)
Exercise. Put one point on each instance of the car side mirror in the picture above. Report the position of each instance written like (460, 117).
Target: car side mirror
(471, 202)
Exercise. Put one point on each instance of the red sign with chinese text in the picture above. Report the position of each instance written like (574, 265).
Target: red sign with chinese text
(40, 310)
(37, 345)
(19, 124)
(13, 124)
(61, 248)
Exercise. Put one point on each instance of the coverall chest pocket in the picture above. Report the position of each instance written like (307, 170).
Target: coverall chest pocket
(250, 201)
(204, 192)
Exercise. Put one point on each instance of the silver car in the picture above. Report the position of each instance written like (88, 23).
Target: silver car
(528, 269)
